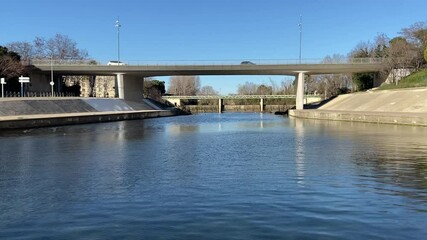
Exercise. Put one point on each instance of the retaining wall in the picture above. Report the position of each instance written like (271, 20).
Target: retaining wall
(41, 112)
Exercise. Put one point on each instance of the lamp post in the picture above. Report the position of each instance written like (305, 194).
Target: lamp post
(51, 74)
(3, 82)
(300, 37)
(118, 25)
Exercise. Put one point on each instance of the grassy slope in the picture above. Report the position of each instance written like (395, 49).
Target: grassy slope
(418, 79)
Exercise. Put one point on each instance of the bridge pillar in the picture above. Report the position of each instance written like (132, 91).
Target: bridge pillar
(220, 105)
(300, 91)
(130, 87)
(261, 103)
(39, 82)
(119, 85)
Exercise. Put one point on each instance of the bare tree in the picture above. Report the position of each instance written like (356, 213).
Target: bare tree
(10, 65)
(24, 49)
(207, 91)
(58, 47)
(264, 90)
(248, 88)
(184, 85)
(329, 84)
(287, 87)
(416, 34)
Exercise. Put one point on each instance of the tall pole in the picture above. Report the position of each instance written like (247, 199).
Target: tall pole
(300, 37)
(51, 74)
(118, 25)
(2, 81)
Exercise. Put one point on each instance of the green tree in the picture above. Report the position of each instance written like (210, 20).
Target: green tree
(154, 89)
(425, 54)
(363, 81)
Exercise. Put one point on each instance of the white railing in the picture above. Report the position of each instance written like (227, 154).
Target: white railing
(9, 94)
(235, 97)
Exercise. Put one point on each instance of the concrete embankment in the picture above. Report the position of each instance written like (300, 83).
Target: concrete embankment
(42, 112)
(405, 106)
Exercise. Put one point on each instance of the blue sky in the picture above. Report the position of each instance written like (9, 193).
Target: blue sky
(211, 30)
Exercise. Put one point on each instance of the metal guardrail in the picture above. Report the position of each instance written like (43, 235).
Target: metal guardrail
(245, 62)
(235, 97)
(8, 94)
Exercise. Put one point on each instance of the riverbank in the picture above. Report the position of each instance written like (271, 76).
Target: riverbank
(403, 106)
(43, 112)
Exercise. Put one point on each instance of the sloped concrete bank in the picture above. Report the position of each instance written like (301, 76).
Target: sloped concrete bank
(405, 107)
(31, 113)
(417, 119)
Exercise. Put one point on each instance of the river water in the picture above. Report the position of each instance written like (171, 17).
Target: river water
(214, 176)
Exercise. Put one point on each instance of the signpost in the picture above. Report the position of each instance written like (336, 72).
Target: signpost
(3, 82)
(23, 80)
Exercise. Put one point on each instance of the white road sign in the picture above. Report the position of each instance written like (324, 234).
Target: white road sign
(24, 79)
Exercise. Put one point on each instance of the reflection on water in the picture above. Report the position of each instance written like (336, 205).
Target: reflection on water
(210, 176)
(299, 151)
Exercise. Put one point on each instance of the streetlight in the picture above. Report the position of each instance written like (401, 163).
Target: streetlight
(51, 74)
(118, 25)
(300, 36)
(2, 82)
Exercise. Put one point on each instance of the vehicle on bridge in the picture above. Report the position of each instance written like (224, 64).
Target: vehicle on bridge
(116, 63)
(247, 63)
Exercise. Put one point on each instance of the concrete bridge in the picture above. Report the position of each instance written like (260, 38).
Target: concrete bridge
(130, 77)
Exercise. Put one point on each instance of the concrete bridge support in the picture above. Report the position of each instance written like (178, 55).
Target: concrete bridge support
(119, 86)
(130, 87)
(220, 105)
(300, 91)
(261, 103)
(40, 82)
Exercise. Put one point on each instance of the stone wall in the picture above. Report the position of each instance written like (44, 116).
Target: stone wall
(99, 86)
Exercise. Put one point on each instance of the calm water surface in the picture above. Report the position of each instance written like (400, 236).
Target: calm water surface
(212, 176)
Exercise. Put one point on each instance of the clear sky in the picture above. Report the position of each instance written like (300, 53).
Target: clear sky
(210, 30)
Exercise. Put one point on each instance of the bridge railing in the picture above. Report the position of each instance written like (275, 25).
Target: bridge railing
(29, 94)
(235, 97)
(233, 62)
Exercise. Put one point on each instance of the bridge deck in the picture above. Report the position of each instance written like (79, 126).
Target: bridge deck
(236, 69)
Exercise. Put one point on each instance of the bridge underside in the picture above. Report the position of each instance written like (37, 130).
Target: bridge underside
(130, 78)
(202, 70)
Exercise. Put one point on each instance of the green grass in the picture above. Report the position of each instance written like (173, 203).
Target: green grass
(418, 79)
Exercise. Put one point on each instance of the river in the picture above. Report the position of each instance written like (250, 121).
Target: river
(214, 176)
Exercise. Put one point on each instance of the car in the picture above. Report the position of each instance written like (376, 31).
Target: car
(116, 63)
(247, 63)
